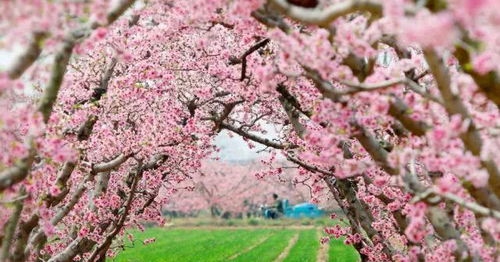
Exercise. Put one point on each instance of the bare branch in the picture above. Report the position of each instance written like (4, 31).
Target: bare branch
(116, 11)
(373, 147)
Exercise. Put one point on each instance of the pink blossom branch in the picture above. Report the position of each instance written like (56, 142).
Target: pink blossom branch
(489, 82)
(26, 227)
(471, 138)
(101, 249)
(438, 218)
(64, 53)
(81, 243)
(38, 238)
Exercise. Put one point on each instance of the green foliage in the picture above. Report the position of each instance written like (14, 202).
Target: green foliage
(253, 221)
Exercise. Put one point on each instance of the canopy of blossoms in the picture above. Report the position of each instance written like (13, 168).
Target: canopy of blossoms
(391, 107)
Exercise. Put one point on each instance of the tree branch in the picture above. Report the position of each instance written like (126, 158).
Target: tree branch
(362, 87)
(110, 165)
(243, 58)
(19, 171)
(64, 53)
(29, 56)
(329, 14)
(257, 139)
(399, 110)
(11, 226)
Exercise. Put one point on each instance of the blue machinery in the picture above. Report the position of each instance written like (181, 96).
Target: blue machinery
(304, 210)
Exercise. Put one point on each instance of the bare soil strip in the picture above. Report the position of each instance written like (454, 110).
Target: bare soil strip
(287, 249)
(250, 247)
(323, 250)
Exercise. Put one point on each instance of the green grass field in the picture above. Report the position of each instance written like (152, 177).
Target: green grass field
(258, 244)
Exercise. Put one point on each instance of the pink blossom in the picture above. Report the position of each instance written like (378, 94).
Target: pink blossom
(429, 30)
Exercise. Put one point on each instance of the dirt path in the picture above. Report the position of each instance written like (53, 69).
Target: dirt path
(287, 249)
(262, 240)
(323, 250)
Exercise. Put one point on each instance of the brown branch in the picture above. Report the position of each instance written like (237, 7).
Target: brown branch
(243, 58)
(324, 17)
(361, 87)
(309, 167)
(373, 147)
(110, 165)
(271, 20)
(19, 171)
(10, 227)
(228, 108)
(399, 110)
(255, 138)
(29, 56)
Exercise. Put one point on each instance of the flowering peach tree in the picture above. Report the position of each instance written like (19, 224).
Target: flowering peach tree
(389, 106)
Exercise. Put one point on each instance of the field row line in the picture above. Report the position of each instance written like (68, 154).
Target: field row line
(287, 249)
(323, 250)
(248, 249)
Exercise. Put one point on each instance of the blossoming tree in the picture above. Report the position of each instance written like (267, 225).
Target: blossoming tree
(233, 188)
(390, 106)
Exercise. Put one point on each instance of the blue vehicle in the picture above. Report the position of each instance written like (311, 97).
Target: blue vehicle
(304, 210)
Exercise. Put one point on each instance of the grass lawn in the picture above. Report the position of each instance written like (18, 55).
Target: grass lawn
(221, 244)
